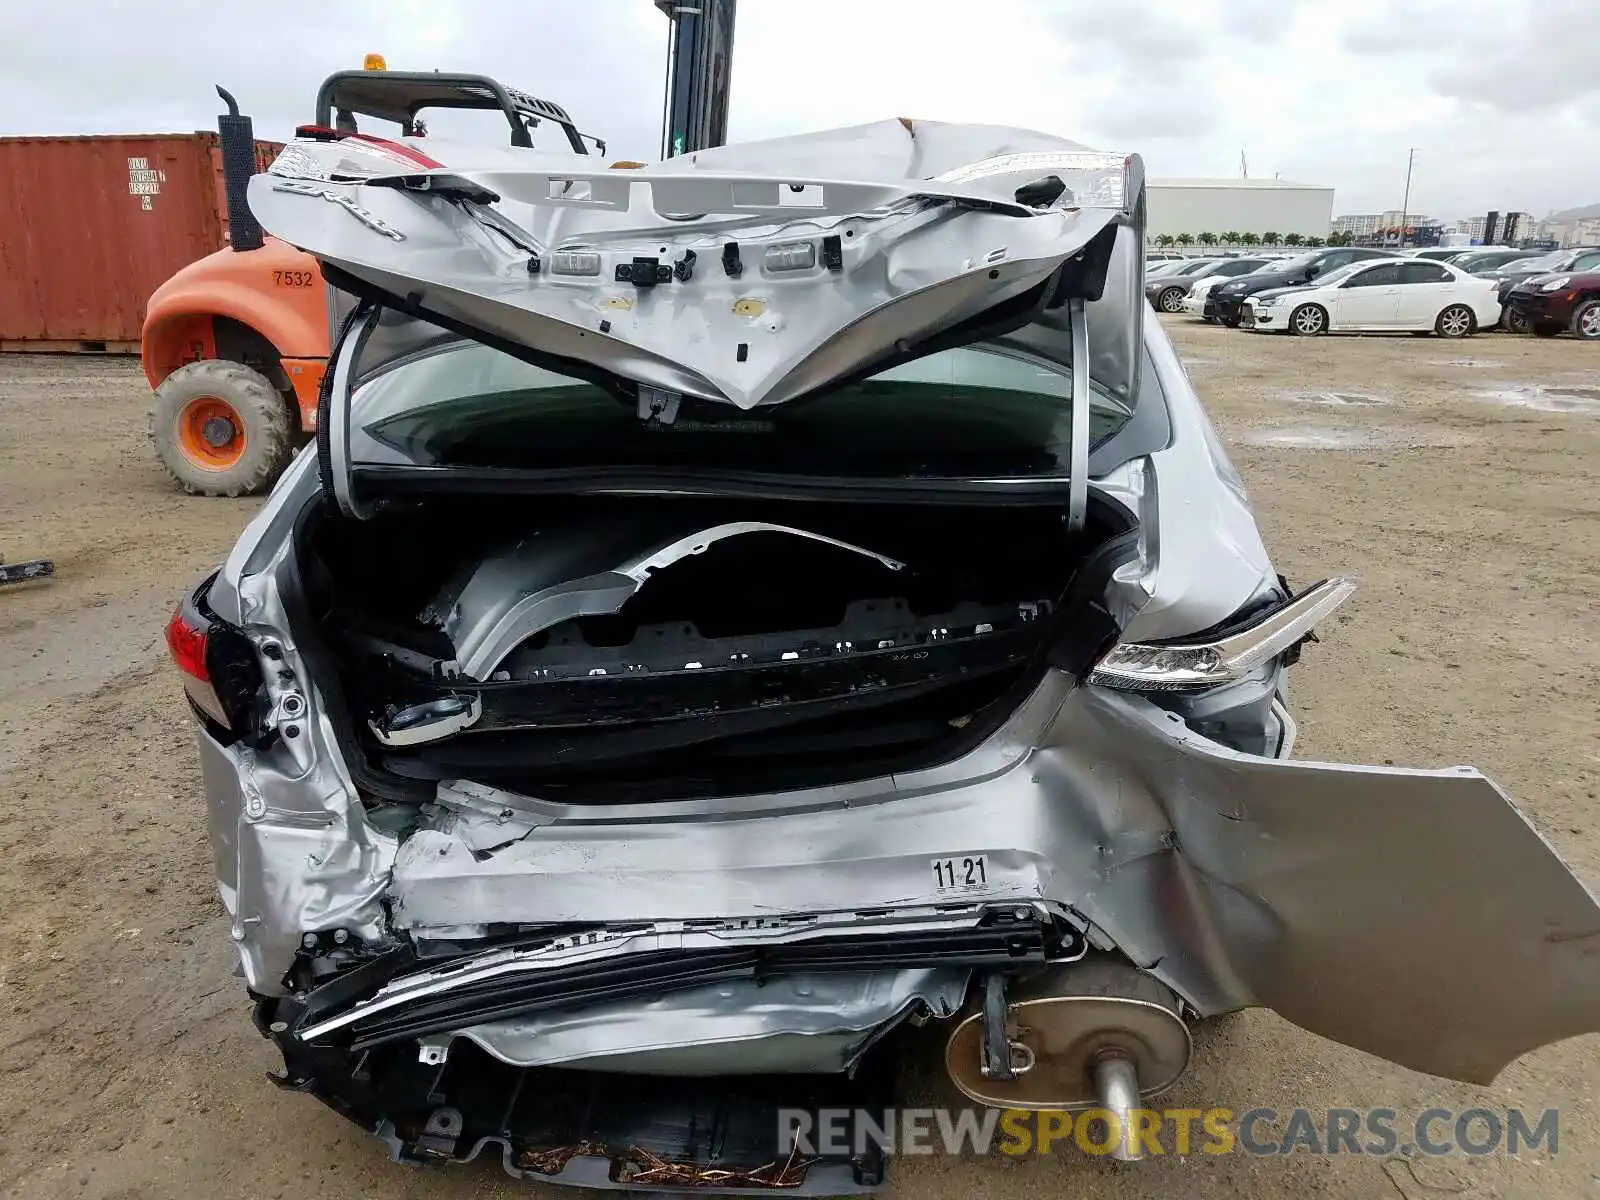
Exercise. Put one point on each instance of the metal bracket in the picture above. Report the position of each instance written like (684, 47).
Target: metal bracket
(996, 1062)
(657, 405)
(433, 1052)
(439, 1136)
(1078, 461)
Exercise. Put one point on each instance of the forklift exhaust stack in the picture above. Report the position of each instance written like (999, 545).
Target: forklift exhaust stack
(238, 142)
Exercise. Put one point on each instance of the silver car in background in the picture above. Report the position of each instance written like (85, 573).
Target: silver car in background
(747, 615)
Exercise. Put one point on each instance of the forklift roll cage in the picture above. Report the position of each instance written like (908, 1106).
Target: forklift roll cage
(398, 96)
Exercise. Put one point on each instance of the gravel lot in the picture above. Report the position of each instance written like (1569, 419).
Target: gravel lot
(1464, 498)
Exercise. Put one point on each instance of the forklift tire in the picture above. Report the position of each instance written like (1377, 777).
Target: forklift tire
(221, 429)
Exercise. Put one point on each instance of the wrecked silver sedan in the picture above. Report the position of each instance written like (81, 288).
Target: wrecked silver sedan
(743, 606)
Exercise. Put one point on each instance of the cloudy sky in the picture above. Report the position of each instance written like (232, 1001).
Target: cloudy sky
(1500, 98)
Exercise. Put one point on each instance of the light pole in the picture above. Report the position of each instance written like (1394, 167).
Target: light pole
(1405, 203)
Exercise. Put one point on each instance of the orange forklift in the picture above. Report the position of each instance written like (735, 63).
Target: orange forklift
(236, 343)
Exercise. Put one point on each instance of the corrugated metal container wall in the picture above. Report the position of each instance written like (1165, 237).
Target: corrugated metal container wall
(90, 226)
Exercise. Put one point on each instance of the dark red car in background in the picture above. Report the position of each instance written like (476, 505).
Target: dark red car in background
(1552, 304)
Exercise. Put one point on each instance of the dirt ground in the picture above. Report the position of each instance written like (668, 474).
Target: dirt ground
(128, 1066)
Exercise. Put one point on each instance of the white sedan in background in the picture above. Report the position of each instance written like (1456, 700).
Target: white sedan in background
(1379, 296)
(1194, 300)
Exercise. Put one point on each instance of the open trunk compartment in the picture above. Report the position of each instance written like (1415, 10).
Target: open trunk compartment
(816, 643)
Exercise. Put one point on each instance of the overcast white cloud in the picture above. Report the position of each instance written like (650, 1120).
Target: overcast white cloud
(1501, 98)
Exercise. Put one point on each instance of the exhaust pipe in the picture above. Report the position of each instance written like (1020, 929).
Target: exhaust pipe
(1093, 1034)
(237, 139)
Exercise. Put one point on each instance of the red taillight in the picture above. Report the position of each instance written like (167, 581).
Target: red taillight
(220, 671)
(188, 646)
(396, 149)
(187, 642)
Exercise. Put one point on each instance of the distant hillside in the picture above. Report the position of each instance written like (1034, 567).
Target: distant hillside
(1577, 214)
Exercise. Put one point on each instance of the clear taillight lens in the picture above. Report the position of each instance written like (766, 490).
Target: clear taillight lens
(1193, 666)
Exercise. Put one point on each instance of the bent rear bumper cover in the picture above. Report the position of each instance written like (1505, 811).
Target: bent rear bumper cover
(1416, 915)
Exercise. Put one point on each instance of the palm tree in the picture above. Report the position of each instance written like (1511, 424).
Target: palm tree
(1250, 239)
(1292, 239)
(1315, 241)
(1270, 238)
(1231, 237)
(1208, 238)
(1186, 239)
(1164, 240)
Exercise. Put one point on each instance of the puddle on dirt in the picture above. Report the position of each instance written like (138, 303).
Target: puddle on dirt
(1337, 437)
(1196, 361)
(1585, 400)
(1465, 362)
(1318, 437)
(1338, 399)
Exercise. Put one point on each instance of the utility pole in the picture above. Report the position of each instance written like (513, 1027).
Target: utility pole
(1405, 204)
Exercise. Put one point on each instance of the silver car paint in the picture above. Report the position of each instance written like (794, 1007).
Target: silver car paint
(799, 1024)
(1311, 888)
(1346, 898)
(1199, 561)
(1413, 914)
(597, 945)
(908, 268)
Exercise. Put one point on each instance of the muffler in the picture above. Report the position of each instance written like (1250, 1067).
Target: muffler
(1092, 1034)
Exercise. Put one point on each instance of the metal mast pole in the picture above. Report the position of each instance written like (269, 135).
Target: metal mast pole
(1405, 204)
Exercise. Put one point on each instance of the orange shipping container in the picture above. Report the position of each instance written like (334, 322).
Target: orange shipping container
(90, 226)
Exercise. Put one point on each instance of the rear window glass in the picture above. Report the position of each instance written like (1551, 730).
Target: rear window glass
(963, 413)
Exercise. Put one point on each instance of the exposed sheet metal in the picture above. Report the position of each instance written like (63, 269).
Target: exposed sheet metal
(606, 944)
(293, 853)
(1413, 914)
(794, 1024)
(1353, 900)
(588, 569)
(904, 270)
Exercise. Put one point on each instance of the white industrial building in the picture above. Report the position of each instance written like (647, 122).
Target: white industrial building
(1255, 206)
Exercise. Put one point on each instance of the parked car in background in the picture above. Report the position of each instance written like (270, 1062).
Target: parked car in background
(1169, 286)
(1410, 295)
(1438, 253)
(1492, 258)
(1578, 258)
(1551, 304)
(1161, 256)
(1226, 299)
(1193, 301)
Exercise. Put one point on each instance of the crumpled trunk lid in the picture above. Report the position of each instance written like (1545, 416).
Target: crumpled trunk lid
(752, 275)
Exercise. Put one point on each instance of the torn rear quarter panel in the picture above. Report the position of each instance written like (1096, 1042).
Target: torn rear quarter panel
(1412, 914)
